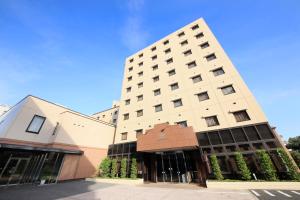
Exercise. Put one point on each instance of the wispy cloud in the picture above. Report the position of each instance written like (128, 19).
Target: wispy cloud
(134, 35)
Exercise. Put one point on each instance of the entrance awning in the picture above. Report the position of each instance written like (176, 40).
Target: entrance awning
(165, 137)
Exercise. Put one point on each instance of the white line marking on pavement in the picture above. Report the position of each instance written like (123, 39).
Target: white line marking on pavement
(285, 194)
(256, 194)
(269, 193)
(295, 192)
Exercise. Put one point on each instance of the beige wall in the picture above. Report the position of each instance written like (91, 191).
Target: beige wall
(109, 115)
(192, 110)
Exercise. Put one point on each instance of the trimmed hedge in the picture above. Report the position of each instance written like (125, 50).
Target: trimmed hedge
(245, 173)
(296, 157)
(114, 168)
(216, 167)
(291, 169)
(266, 165)
(105, 167)
(133, 168)
(123, 167)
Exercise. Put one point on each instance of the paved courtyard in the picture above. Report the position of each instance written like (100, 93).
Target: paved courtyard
(89, 190)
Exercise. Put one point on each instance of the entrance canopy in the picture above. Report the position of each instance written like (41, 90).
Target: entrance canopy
(165, 137)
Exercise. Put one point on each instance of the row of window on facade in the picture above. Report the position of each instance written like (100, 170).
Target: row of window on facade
(195, 79)
(165, 42)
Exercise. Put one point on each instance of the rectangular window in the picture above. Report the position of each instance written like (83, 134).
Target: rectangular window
(188, 52)
(218, 71)
(129, 78)
(141, 55)
(182, 123)
(156, 78)
(170, 60)
(141, 64)
(140, 74)
(177, 103)
(139, 113)
(124, 136)
(36, 124)
(126, 116)
(127, 101)
(158, 108)
(212, 121)
(139, 132)
(130, 69)
(171, 72)
(183, 43)
(241, 116)
(191, 64)
(227, 90)
(204, 45)
(199, 35)
(195, 27)
(155, 67)
(153, 48)
(211, 57)
(203, 96)
(174, 86)
(131, 60)
(140, 85)
(156, 92)
(167, 51)
(154, 57)
(197, 78)
(166, 42)
(140, 97)
(128, 89)
(181, 34)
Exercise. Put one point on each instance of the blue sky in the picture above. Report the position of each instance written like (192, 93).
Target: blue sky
(67, 51)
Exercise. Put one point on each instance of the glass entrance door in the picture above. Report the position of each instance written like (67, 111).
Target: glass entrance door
(14, 170)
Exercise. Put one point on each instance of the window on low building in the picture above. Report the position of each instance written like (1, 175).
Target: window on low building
(202, 96)
(140, 97)
(211, 57)
(182, 123)
(218, 71)
(174, 86)
(188, 52)
(140, 85)
(139, 113)
(156, 92)
(138, 132)
(227, 90)
(212, 121)
(36, 124)
(156, 78)
(177, 103)
(241, 116)
(199, 35)
(191, 64)
(158, 108)
(196, 78)
(171, 72)
(204, 45)
(127, 101)
(126, 116)
(124, 136)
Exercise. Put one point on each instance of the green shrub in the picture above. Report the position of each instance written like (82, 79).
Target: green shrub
(215, 167)
(114, 169)
(245, 173)
(123, 167)
(266, 165)
(296, 157)
(133, 168)
(105, 167)
(291, 168)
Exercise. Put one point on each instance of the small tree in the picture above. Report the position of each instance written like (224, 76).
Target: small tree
(133, 168)
(296, 157)
(216, 167)
(105, 167)
(114, 169)
(294, 143)
(123, 167)
(291, 168)
(266, 165)
(245, 173)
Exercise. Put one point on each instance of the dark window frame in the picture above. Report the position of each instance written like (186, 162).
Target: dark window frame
(27, 129)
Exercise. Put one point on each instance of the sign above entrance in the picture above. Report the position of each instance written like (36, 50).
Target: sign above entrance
(165, 137)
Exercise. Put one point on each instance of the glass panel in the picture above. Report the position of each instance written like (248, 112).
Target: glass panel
(226, 136)
(251, 133)
(203, 139)
(214, 138)
(36, 124)
(239, 135)
(265, 132)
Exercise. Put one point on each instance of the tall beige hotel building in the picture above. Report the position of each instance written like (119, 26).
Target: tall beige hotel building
(182, 100)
